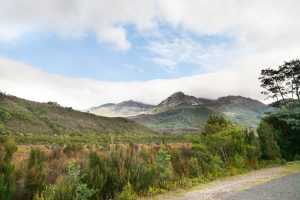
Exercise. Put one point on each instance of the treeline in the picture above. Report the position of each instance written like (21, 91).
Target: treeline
(282, 84)
(128, 171)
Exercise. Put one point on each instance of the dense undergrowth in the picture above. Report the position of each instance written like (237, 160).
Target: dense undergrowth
(126, 171)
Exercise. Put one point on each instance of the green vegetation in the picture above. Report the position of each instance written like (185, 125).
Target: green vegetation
(7, 169)
(71, 187)
(283, 125)
(19, 116)
(83, 156)
(183, 119)
(126, 171)
(36, 175)
(191, 119)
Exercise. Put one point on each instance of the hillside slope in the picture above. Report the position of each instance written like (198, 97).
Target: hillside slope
(27, 117)
(179, 120)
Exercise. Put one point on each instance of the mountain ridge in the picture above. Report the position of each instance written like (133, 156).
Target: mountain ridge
(22, 116)
(122, 109)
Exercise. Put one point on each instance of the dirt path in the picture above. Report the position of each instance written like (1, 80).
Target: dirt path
(221, 188)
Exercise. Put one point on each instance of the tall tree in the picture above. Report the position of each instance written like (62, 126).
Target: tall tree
(283, 82)
(291, 71)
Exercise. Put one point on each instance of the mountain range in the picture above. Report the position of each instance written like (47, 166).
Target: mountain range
(184, 113)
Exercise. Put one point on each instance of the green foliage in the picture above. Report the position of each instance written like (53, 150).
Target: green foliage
(253, 149)
(4, 114)
(72, 148)
(215, 124)
(7, 169)
(127, 193)
(80, 190)
(110, 173)
(36, 174)
(269, 148)
(283, 84)
(72, 188)
(286, 123)
(22, 116)
(164, 165)
(224, 147)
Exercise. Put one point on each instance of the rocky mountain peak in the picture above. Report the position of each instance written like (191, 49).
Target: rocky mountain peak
(230, 101)
(179, 98)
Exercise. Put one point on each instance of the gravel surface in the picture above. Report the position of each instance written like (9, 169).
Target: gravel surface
(269, 183)
(287, 188)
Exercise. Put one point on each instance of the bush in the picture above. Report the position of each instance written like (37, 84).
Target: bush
(72, 148)
(164, 165)
(35, 179)
(127, 193)
(70, 188)
(7, 169)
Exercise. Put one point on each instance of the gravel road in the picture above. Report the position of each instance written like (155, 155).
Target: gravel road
(287, 188)
(265, 184)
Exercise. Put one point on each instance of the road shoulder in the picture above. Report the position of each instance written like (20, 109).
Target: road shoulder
(226, 186)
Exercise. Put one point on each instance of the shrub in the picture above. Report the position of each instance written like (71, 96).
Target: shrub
(72, 148)
(7, 169)
(164, 165)
(127, 193)
(36, 175)
(70, 188)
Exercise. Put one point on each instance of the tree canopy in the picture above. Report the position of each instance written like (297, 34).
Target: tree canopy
(282, 83)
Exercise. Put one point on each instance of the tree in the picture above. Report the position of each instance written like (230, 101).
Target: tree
(286, 121)
(253, 149)
(291, 70)
(269, 148)
(7, 169)
(283, 82)
(272, 80)
(214, 124)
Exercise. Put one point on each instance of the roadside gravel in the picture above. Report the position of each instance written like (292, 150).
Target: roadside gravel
(287, 188)
(228, 187)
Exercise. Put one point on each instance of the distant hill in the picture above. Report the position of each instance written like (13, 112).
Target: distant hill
(184, 113)
(180, 119)
(123, 109)
(22, 116)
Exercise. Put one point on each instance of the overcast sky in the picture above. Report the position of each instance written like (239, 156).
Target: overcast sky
(85, 53)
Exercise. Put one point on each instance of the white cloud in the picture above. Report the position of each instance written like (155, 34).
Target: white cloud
(260, 23)
(269, 28)
(115, 36)
(22, 80)
(75, 18)
(183, 50)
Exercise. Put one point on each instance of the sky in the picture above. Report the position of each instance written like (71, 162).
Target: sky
(86, 53)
